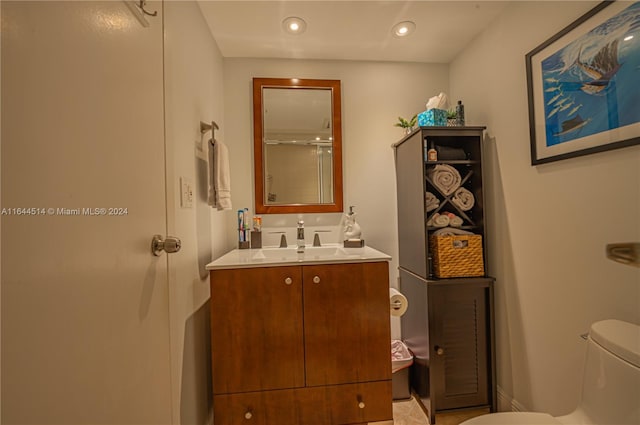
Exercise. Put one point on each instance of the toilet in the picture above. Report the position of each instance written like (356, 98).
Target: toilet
(610, 387)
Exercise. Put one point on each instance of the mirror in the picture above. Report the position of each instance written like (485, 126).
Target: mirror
(297, 145)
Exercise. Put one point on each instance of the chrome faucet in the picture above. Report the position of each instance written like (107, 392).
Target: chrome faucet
(300, 237)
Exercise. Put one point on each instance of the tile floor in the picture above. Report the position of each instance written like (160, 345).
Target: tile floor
(410, 413)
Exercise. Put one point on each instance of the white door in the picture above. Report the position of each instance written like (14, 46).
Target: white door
(85, 322)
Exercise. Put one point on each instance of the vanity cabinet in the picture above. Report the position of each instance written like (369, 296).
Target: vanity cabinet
(301, 344)
(449, 322)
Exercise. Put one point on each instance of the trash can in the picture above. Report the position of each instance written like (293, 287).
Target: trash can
(401, 359)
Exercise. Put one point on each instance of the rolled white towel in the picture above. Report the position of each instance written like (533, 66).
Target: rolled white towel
(446, 178)
(455, 221)
(438, 220)
(450, 231)
(432, 201)
(463, 199)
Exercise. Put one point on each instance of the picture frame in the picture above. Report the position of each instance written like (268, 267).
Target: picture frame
(582, 85)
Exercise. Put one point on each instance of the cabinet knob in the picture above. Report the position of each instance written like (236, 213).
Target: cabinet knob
(316, 279)
(288, 281)
(248, 415)
(361, 405)
(439, 350)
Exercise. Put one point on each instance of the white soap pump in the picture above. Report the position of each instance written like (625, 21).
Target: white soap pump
(352, 232)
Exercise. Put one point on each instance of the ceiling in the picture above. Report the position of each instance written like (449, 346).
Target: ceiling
(348, 30)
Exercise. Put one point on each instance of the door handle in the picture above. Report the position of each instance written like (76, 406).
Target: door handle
(169, 245)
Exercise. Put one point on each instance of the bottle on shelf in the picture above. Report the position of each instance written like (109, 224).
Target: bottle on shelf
(432, 154)
(460, 113)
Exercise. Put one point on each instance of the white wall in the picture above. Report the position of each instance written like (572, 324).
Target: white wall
(193, 93)
(548, 224)
(374, 94)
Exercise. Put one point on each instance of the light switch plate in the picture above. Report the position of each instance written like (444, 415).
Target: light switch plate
(186, 192)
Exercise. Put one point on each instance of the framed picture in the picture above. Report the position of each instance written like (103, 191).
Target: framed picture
(583, 85)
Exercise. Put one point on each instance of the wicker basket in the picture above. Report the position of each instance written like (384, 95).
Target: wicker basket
(457, 256)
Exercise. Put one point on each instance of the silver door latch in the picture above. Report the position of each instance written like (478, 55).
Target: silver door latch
(169, 245)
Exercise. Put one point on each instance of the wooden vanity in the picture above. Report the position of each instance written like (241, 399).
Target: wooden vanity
(304, 344)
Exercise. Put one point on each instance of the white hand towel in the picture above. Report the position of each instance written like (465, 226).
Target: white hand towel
(432, 201)
(455, 221)
(438, 220)
(450, 231)
(219, 176)
(444, 177)
(463, 199)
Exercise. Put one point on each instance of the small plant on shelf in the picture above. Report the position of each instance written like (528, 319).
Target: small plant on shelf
(407, 125)
(452, 118)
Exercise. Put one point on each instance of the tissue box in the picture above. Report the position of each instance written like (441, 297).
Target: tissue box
(433, 117)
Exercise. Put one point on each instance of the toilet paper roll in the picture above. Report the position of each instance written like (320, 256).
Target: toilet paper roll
(398, 302)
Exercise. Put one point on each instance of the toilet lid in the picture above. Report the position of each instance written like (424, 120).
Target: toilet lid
(620, 338)
(513, 418)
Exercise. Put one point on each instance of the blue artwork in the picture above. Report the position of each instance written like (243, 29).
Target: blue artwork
(592, 85)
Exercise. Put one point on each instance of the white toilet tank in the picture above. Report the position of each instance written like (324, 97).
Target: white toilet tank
(611, 381)
(610, 385)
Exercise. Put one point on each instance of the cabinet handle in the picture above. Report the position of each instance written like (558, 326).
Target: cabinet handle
(248, 415)
(361, 405)
(439, 350)
(316, 279)
(288, 281)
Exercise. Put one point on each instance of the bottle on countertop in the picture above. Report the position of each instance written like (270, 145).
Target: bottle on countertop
(460, 113)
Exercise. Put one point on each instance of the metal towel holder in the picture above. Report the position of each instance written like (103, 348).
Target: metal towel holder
(625, 253)
(204, 128)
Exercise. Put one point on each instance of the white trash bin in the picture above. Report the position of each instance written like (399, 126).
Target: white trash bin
(401, 359)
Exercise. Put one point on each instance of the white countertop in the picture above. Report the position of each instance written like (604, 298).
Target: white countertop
(273, 256)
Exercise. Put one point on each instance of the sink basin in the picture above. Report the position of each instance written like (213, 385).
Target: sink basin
(293, 254)
(272, 256)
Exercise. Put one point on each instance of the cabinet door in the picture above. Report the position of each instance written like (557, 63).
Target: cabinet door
(256, 329)
(347, 331)
(459, 366)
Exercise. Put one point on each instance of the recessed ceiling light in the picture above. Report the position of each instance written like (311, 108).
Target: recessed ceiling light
(627, 38)
(403, 29)
(294, 25)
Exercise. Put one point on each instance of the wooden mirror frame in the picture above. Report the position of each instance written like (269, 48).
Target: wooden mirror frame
(258, 145)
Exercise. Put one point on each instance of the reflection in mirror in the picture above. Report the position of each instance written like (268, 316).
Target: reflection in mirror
(297, 145)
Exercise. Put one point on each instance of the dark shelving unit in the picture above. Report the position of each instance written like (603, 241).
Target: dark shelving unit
(449, 323)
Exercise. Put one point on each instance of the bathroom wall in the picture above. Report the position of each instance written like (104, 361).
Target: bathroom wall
(549, 224)
(374, 94)
(193, 93)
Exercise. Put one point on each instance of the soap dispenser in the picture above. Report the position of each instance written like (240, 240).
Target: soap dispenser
(352, 232)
